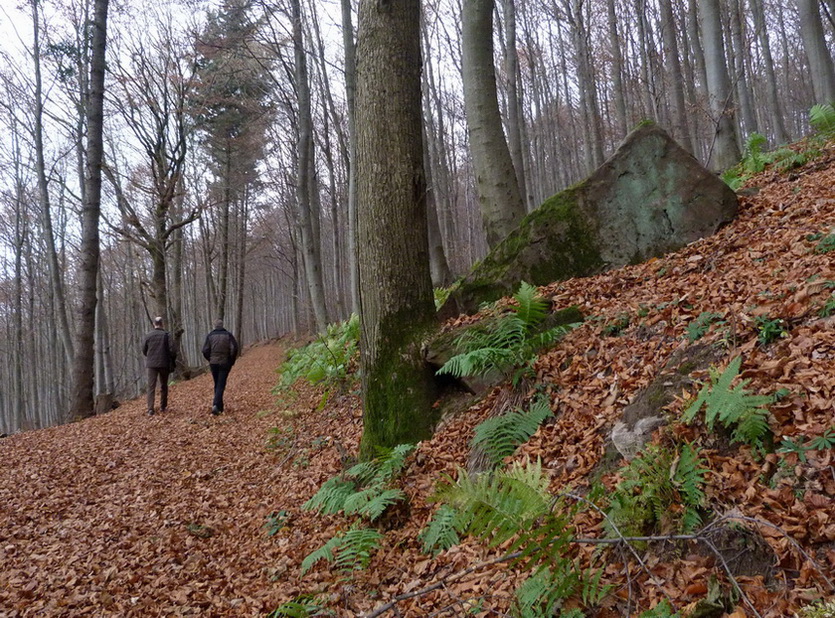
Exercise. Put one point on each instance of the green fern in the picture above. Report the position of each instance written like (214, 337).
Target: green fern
(364, 489)
(662, 610)
(302, 607)
(822, 118)
(734, 407)
(508, 342)
(755, 159)
(441, 533)
(500, 436)
(543, 592)
(328, 360)
(661, 487)
(348, 552)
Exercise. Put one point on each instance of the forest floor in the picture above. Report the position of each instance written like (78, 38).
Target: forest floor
(188, 514)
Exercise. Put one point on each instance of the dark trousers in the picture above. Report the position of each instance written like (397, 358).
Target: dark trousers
(160, 373)
(219, 373)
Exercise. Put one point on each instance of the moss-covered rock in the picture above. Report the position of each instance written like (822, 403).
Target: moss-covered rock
(651, 197)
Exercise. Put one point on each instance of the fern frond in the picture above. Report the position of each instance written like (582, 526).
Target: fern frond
(442, 531)
(331, 496)
(348, 552)
(372, 502)
(499, 436)
(496, 507)
(356, 548)
(531, 308)
(732, 406)
(326, 552)
(822, 118)
(753, 427)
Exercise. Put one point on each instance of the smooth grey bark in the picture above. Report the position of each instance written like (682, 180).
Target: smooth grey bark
(83, 376)
(397, 308)
(502, 206)
(675, 77)
(349, 47)
(725, 151)
(738, 58)
(817, 53)
(515, 117)
(775, 111)
(53, 265)
(617, 68)
(311, 251)
(438, 265)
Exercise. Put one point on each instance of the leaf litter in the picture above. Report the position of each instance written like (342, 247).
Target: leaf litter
(129, 515)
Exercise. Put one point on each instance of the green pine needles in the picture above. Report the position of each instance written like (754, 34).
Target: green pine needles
(733, 407)
(500, 436)
(661, 488)
(366, 491)
(507, 343)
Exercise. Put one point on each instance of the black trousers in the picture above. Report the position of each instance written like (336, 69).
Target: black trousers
(154, 374)
(220, 373)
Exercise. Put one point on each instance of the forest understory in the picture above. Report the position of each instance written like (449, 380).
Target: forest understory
(188, 514)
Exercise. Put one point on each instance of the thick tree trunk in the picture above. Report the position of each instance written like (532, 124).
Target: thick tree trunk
(397, 310)
(814, 43)
(83, 376)
(498, 188)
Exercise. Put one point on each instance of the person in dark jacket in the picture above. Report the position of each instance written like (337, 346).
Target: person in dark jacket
(221, 350)
(160, 354)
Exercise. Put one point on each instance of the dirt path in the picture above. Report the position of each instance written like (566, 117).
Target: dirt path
(130, 515)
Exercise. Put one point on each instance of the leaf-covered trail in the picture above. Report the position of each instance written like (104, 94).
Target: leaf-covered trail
(130, 515)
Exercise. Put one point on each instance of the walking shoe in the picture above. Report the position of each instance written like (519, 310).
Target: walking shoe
(164, 409)
(215, 410)
(150, 411)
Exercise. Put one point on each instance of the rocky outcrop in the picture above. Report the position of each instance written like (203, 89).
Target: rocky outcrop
(651, 197)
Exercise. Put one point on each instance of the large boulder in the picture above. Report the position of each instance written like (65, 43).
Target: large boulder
(649, 198)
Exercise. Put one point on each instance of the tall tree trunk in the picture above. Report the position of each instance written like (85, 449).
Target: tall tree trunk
(83, 363)
(397, 310)
(349, 45)
(617, 68)
(304, 181)
(501, 201)
(515, 128)
(53, 266)
(778, 127)
(725, 151)
(748, 119)
(817, 53)
(675, 78)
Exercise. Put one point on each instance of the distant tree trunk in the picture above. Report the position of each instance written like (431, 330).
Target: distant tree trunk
(53, 265)
(438, 265)
(748, 119)
(349, 45)
(617, 68)
(725, 151)
(675, 79)
(397, 310)
(309, 233)
(515, 128)
(778, 127)
(501, 201)
(814, 43)
(83, 376)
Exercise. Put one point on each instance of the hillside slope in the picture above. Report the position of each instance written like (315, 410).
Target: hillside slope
(186, 514)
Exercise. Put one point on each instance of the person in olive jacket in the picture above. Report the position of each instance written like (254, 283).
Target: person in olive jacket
(221, 350)
(160, 354)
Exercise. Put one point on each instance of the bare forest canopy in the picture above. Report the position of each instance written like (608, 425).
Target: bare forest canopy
(228, 149)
